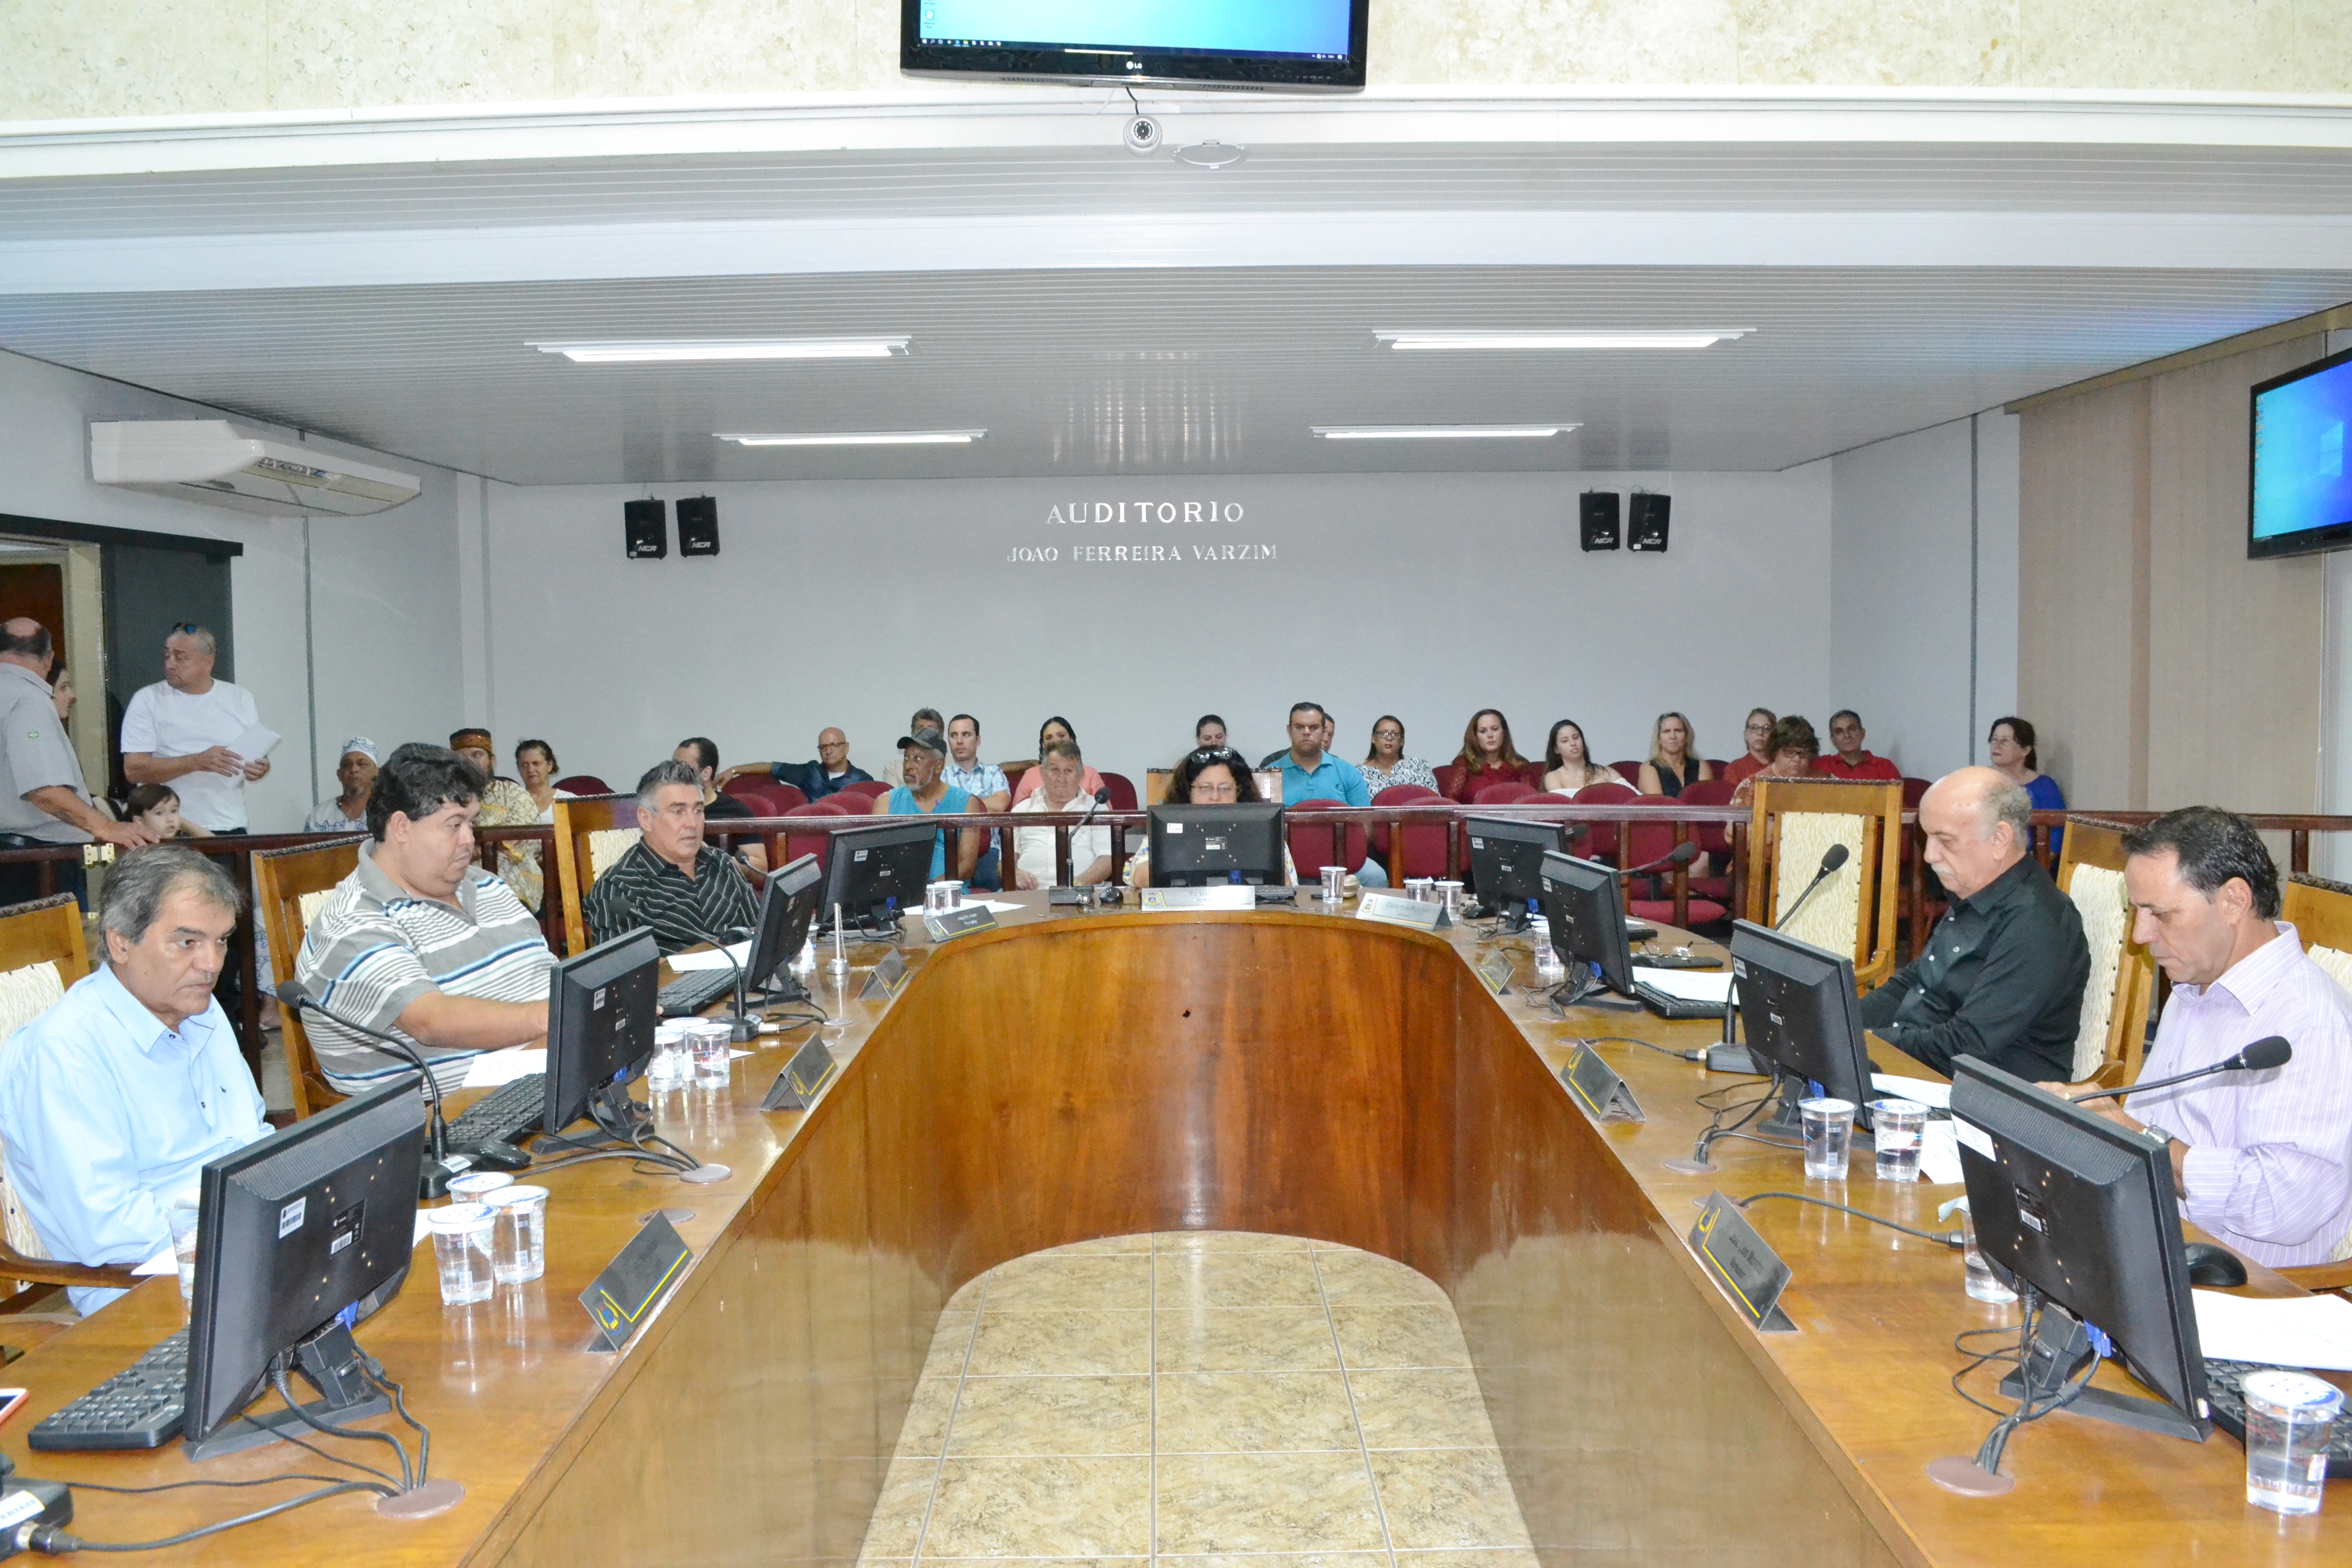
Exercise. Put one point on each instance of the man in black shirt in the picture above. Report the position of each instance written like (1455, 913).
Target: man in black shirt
(670, 881)
(2001, 979)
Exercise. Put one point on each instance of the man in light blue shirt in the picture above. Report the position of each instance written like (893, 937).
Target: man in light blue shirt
(114, 1100)
(1310, 773)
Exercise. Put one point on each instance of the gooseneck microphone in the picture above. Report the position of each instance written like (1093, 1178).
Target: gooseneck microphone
(433, 1180)
(1835, 856)
(2262, 1055)
(1682, 855)
(741, 1025)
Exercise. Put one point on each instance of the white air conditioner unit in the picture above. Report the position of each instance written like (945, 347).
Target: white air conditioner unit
(211, 460)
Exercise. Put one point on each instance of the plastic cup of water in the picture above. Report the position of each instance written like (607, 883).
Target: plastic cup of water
(1335, 883)
(518, 1242)
(2288, 1418)
(1897, 1126)
(461, 1246)
(713, 1054)
(673, 1062)
(1829, 1130)
(1420, 889)
(475, 1186)
(183, 1242)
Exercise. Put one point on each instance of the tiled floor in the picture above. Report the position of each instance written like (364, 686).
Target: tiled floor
(1200, 1397)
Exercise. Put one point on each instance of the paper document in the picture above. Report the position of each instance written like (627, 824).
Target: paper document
(493, 1069)
(1926, 1091)
(687, 963)
(1939, 1155)
(255, 743)
(2299, 1330)
(993, 904)
(1688, 985)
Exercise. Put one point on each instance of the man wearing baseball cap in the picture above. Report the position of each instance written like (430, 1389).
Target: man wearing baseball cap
(923, 756)
(347, 813)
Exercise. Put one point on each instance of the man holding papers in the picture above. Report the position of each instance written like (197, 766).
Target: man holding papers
(203, 737)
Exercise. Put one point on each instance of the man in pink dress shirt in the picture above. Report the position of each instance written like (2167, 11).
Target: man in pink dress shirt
(2262, 1161)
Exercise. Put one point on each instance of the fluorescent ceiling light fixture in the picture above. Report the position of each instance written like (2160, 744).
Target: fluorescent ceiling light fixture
(1461, 340)
(862, 438)
(684, 351)
(1438, 432)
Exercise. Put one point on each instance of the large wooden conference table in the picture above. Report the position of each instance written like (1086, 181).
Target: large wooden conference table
(1078, 1074)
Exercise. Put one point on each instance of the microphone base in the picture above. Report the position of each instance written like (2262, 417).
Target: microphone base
(433, 1178)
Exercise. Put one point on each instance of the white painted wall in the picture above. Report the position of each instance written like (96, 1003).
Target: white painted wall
(2330, 855)
(386, 611)
(1426, 595)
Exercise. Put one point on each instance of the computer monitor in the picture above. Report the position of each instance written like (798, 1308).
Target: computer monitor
(600, 1027)
(1205, 845)
(290, 1232)
(2084, 1213)
(877, 871)
(1586, 911)
(1804, 1019)
(786, 909)
(1507, 864)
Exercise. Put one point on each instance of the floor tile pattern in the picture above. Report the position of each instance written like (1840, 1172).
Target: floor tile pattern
(1216, 1399)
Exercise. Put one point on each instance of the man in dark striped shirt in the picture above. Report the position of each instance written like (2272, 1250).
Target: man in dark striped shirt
(670, 881)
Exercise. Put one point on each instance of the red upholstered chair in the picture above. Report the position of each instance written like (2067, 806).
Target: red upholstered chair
(1504, 795)
(584, 784)
(868, 790)
(1630, 772)
(764, 796)
(1600, 842)
(1310, 841)
(817, 844)
(1713, 838)
(1912, 789)
(1651, 898)
(1122, 790)
(1424, 847)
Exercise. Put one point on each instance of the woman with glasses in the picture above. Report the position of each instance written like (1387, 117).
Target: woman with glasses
(1386, 765)
(1213, 775)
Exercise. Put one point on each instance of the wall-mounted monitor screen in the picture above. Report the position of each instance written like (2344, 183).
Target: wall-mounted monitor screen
(2301, 491)
(1265, 45)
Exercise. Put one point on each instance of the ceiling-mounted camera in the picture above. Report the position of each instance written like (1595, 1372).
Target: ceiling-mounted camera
(1142, 135)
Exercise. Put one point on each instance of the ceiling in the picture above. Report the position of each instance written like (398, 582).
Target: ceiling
(1102, 314)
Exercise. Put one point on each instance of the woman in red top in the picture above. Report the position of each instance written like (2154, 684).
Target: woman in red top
(1758, 755)
(1487, 757)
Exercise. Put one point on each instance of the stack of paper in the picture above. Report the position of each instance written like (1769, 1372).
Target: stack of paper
(1921, 1090)
(1710, 985)
(2295, 1330)
(710, 958)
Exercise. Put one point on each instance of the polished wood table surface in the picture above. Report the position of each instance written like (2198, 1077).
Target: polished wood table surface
(1077, 1074)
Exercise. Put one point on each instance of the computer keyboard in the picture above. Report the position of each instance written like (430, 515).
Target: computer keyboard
(1668, 1007)
(692, 991)
(2225, 1393)
(138, 1408)
(505, 1114)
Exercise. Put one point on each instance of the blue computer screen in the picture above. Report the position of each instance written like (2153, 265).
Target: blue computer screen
(1309, 28)
(2300, 479)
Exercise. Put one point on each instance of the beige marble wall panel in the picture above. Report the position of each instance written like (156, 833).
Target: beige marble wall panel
(1849, 43)
(1529, 42)
(347, 54)
(75, 59)
(639, 48)
(2245, 45)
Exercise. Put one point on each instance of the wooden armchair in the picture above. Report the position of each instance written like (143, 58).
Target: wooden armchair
(2122, 987)
(1794, 822)
(289, 885)
(581, 853)
(41, 953)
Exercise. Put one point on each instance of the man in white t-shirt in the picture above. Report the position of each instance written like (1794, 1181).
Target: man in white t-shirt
(178, 731)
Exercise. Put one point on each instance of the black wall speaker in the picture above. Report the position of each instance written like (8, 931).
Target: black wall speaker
(646, 525)
(1646, 528)
(698, 525)
(1596, 516)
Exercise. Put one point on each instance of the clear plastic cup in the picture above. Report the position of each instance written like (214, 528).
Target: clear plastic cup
(1449, 893)
(182, 1212)
(1335, 883)
(475, 1186)
(713, 1054)
(461, 1246)
(519, 1241)
(1420, 889)
(935, 899)
(2288, 1418)
(672, 1059)
(1897, 1126)
(1829, 1130)
(951, 895)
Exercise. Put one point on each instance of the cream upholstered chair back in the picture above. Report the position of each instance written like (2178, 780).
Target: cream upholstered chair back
(1793, 825)
(2112, 1033)
(41, 953)
(591, 834)
(289, 885)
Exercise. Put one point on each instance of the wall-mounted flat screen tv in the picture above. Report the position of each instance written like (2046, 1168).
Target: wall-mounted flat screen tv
(2301, 491)
(1268, 45)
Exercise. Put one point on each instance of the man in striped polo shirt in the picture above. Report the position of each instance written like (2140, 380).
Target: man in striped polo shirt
(670, 881)
(420, 942)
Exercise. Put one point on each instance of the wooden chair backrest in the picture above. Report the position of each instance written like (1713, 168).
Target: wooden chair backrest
(1871, 863)
(47, 931)
(2118, 1013)
(282, 878)
(575, 820)
(2319, 909)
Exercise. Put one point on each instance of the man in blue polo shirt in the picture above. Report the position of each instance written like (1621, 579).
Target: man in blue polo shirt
(1309, 773)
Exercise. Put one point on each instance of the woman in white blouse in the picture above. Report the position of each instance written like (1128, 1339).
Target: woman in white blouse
(1568, 765)
(1386, 765)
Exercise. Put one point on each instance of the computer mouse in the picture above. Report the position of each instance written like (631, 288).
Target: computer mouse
(2211, 1265)
(497, 1156)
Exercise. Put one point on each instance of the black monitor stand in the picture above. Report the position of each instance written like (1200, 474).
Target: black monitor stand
(1513, 919)
(328, 1361)
(2058, 1353)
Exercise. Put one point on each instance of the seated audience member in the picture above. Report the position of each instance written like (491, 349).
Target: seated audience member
(700, 753)
(1311, 773)
(684, 890)
(355, 772)
(2262, 1160)
(832, 773)
(1794, 750)
(1385, 765)
(418, 939)
(985, 783)
(505, 804)
(2001, 976)
(114, 1100)
(1054, 728)
(1673, 761)
(1209, 733)
(1758, 754)
(156, 808)
(1849, 761)
(894, 772)
(536, 766)
(1568, 764)
(2009, 747)
(922, 760)
(43, 802)
(1487, 757)
(1061, 787)
(1211, 775)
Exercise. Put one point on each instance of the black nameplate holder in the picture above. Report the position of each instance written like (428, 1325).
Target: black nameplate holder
(1599, 1088)
(633, 1283)
(948, 924)
(1495, 974)
(889, 978)
(803, 1079)
(1743, 1264)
